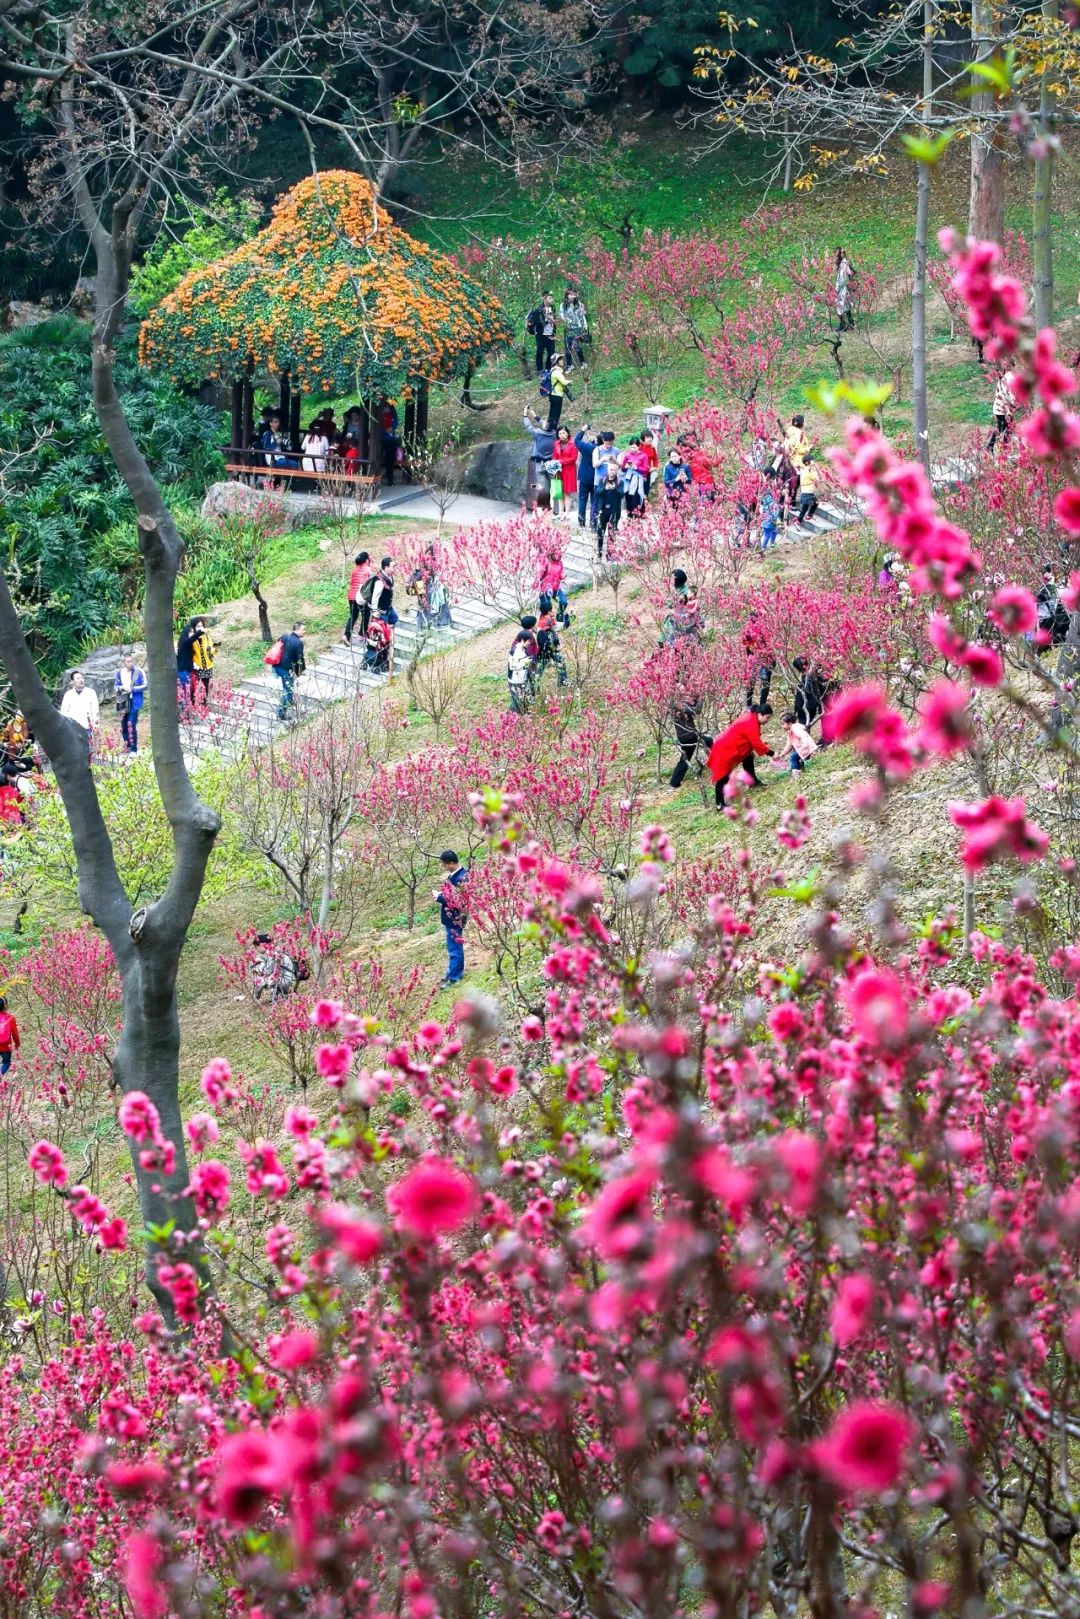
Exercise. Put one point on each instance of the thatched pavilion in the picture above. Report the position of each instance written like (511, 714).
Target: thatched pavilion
(334, 301)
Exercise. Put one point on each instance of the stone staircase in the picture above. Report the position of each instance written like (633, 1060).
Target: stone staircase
(338, 672)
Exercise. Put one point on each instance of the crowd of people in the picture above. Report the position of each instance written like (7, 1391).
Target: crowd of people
(587, 477)
(327, 446)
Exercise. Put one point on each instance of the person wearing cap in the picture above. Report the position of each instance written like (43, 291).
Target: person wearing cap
(453, 912)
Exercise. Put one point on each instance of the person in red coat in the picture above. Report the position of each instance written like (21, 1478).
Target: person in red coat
(564, 451)
(736, 747)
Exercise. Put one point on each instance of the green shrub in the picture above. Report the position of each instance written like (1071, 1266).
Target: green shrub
(68, 523)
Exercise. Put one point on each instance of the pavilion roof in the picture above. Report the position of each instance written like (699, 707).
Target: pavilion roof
(332, 292)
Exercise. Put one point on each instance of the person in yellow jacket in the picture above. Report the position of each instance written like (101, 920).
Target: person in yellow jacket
(808, 501)
(202, 655)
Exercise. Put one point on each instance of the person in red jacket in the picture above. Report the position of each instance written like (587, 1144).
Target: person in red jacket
(357, 607)
(736, 747)
(9, 1036)
(564, 451)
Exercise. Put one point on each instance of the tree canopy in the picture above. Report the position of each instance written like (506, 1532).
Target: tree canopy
(332, 292)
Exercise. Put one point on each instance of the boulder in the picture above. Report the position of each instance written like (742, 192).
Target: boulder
(297, 511)
(20, 313)
(499, 470)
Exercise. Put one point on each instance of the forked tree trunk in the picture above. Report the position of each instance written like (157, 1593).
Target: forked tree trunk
(986, 202)
(146, 943)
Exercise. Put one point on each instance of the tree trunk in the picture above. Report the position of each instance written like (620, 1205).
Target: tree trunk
(146, 943)
(918, 283)
(1041, 245)
(789, 155)
(264, 613)
(986, 203)
(969, 910)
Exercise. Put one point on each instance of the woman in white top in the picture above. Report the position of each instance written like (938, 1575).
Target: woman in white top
(315, 447)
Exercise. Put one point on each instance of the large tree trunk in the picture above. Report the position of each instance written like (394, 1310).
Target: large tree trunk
(920, 398)
(146, 943)
(1041, 244)
(986, 205)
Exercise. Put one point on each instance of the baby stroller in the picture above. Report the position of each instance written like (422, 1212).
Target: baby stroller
(380, 638)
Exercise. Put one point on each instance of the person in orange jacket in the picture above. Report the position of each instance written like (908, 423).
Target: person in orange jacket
(736, 748)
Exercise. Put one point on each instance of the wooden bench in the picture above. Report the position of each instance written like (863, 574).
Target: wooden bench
(366, 484)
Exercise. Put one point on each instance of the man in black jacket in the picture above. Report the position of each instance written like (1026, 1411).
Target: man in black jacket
(289, 665)
(541, 326)
(689, 738)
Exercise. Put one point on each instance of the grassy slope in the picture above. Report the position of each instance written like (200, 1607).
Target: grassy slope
(652, 170)
(305, 581)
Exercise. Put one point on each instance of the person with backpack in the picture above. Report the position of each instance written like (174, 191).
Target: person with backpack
(541, 326)
(547, 640)
(378, 592)
(9, 1036)
(358, 608)
(558, 391)
(453, 905)
(185, 657)
(289, 664)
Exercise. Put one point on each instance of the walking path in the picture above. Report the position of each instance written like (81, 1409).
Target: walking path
(338, 672)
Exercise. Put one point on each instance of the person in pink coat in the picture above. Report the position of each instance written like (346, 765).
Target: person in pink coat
(549, 581)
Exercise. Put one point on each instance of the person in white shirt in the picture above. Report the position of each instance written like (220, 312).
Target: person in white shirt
(316, 448)
(81, 704)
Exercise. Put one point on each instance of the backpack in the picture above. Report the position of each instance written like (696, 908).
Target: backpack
(6, 1024)
(545, 384)
(273, 657)
(367, 590)
(530, 324)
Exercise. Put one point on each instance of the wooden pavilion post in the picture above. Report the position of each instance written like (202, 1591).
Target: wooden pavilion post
(423, 401)
(374, 436)
(236, 419)
(284, 399)
(294, 419)
(247, 407)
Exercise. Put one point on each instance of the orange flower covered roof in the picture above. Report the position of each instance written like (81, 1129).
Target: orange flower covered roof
(332, 292)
